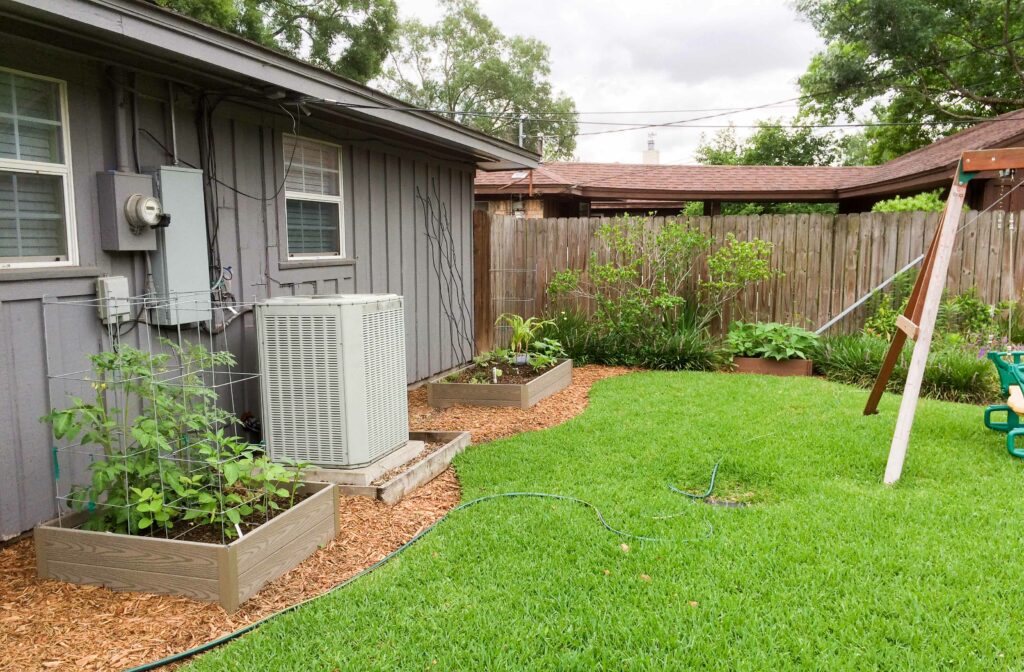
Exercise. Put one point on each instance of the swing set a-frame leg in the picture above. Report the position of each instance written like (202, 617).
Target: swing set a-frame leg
(912, 313)
(923, 330)
(918, 321)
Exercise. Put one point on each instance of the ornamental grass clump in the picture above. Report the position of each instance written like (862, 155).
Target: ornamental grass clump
(167, 456)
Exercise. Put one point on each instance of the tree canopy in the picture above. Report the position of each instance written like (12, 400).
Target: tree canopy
(919, 66)
(349, 37)
(465, 67)
(770, 145)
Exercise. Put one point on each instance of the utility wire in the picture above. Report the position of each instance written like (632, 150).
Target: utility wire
(719, 112)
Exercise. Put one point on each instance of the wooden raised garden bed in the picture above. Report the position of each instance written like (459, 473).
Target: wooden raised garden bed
(524, 395)
(401, 481)
(225, 573)
(772, 367)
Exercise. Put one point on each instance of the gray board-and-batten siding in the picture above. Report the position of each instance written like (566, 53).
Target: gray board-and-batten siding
(386, 243)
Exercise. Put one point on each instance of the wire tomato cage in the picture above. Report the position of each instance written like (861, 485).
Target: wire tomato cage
(152, 425)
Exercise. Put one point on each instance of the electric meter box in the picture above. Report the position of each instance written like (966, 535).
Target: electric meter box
(181, 271)
(114, 191)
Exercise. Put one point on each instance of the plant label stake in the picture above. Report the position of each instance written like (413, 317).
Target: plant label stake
(918, 320)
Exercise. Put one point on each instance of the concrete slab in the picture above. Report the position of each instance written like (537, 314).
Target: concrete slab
(368, 474)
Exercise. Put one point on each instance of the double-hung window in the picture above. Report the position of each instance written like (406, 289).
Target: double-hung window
(36, 218)
(313, 198)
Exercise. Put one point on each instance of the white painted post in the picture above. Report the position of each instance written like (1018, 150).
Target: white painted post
(932, 298)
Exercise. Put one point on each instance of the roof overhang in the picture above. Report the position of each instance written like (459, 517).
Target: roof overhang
(138, 28)
(618, 194)
(931, 179)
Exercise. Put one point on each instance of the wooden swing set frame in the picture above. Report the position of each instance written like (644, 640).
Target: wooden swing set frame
(918, 319)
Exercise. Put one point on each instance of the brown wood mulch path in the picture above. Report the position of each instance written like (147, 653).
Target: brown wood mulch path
(51, 625)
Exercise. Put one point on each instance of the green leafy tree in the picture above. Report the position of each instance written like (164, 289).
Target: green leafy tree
(933, 62)
(464, 66)
(770, 145)
(348, 37)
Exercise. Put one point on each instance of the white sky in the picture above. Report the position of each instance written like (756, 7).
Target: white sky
(618, 55)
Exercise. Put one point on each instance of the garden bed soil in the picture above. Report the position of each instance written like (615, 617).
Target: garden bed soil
(207, 533)
(439, 451)
(512, 390)
(772, 367)
(510, 375)
(53, 625)
(429, 448)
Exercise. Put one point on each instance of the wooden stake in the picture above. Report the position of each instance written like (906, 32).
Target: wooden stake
(929, 309)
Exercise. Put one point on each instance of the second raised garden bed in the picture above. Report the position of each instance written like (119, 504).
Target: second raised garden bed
(442, 394)
(225, 573)
(772, 367)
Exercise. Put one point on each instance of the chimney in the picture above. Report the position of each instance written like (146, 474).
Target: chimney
(651, 155)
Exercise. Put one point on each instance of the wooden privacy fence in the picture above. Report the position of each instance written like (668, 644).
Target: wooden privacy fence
(827, 261)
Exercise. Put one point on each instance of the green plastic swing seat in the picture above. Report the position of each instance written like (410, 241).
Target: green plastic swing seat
(1011, 383)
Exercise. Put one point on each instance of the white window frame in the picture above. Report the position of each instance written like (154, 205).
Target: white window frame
(62, 170)
(321, 198)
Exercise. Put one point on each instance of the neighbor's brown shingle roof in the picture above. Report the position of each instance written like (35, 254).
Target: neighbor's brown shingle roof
(610, 180)
(926, 166)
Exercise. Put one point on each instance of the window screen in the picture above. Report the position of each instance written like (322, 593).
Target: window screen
(31, 217)
(35, 222)
(30, 123)
(313, 197)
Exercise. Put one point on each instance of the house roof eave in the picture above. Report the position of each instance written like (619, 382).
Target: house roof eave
(182, 41)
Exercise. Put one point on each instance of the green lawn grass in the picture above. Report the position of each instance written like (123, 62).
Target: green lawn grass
(826, 570)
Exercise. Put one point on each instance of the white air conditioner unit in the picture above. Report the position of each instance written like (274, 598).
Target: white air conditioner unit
(333, 378)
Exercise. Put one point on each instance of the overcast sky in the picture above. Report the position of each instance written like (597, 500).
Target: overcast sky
(618, 55)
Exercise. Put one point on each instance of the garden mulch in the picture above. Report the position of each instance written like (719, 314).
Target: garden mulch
(51, 625)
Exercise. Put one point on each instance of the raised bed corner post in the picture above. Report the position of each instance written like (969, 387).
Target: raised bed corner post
(918, 320)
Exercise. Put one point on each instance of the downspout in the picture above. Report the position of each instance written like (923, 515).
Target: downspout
(122, 146)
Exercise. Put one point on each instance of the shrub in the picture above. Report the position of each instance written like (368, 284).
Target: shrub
(965, 314)
(643, 283)
(770, 340)
(927, 201)
(954, 372)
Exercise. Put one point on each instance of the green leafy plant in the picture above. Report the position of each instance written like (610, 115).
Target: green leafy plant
(524, 330)
(965, 313)
(771, 340)
(541, 353)
(153, 420)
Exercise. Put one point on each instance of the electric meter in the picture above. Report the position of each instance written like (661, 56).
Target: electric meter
(142, 212)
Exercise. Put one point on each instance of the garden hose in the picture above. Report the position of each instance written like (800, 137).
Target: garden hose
(212, 644)
(707, 493)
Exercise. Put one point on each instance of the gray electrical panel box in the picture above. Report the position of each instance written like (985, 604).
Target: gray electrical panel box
(116, 234)
(181, 273)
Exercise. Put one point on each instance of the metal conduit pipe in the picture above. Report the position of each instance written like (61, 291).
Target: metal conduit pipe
(122, 147)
